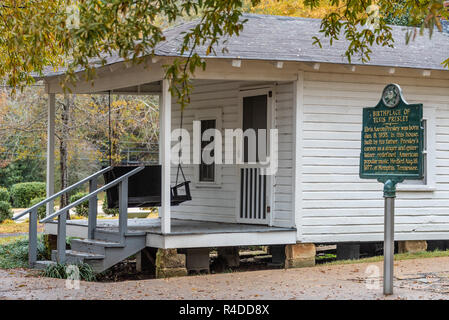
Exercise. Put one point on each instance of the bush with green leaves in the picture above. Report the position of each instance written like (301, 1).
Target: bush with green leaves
(83, 208)
(42, 210)
(106, 210)
(23, 193)
(4, 194)
(15, 254)
(5, 211)
(62, 271)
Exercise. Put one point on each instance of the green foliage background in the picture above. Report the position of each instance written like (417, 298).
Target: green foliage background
(5, 211)
(83, 208)
(15, 254)
(22, 193)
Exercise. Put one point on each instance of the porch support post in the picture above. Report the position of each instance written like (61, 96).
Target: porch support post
(298, 115)
(160, 127)
(51, 150)
(164, 145)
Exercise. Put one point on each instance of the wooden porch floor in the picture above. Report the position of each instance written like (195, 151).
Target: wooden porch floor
(188, 233)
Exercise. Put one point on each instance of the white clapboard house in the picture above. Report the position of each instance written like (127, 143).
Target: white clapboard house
(273, 77)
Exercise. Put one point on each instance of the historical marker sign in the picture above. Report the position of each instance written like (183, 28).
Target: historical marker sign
(392, 143)
(392, 136)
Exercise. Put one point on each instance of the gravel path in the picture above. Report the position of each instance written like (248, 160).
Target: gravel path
(415, 279)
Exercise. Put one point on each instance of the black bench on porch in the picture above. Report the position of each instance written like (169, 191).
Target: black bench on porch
(144, 188)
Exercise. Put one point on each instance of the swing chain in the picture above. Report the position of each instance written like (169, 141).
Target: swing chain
(180, 152)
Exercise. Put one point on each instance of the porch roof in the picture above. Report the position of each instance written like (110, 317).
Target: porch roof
(279, 38)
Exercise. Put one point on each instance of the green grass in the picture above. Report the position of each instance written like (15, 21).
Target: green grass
(5, 240)
(14, 252)
(59, 271)
(397, 257)
(326, 256)
(9, 226)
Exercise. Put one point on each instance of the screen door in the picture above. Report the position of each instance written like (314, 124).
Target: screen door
(253, 195)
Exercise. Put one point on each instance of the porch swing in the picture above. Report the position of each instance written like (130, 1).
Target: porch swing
(144, 188)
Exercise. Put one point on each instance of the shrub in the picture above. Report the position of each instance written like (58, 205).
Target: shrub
(15, 254)
(61, 271)
(23, 193)
(42, 210)
(83, 208)
(106, 210)
(5, 211)
(4, 194)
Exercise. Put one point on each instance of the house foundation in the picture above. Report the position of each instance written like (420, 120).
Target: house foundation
(197, 260)
(300, 255)
(169, 263)
(411, 246)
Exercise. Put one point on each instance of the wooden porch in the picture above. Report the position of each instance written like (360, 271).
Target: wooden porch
(187, 233)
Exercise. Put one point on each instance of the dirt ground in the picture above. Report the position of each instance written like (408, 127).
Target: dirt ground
(414, 279)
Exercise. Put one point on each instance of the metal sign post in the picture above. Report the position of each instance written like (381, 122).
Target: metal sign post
(389, 195)
(392, 144)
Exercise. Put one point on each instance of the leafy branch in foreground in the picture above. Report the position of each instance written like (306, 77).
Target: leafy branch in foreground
(364, 22)
(80, 35)
(77, 35)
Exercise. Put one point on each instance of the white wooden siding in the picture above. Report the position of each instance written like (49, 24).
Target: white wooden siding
(211, 203)
(336, 204)
(282, 192)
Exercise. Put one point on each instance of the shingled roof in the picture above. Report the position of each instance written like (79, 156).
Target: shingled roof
(278, 38)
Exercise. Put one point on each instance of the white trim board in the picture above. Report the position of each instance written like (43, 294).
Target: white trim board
(196, 240)
(221, 239)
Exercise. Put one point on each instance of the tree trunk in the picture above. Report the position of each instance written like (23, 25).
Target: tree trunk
(64, 174)
(115, 138)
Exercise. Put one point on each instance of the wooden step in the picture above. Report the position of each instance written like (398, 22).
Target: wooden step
(101, 253)
(94, 246)
(78, 256)
(96, 242)
(42, 264)
(114, 236)
(85, 255)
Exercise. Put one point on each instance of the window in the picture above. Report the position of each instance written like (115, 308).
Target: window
(207, 175)
(427, 183)
(207, 171)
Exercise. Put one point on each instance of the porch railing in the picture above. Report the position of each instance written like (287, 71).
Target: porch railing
(61, 214)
